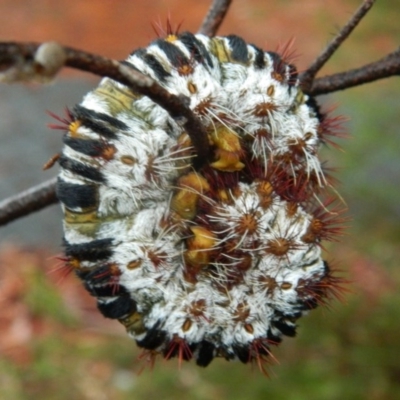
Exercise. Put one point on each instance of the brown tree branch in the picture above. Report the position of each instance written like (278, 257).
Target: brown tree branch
(384, 68)
(30, 62)
(214, 17)
(308, 76)
(28, 201)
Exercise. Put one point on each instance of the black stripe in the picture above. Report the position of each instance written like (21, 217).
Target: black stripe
(293, 75)
(278, 64)
(154, 338)
(287, 328)
(109, 290)
(173, 53)
(80, 169)
(112, 121)
(76, 196)
(157, 67)
(99, 249)
(273, 338)
(205, 354)
(239, 51)
(259, 59)
(243, 353)
(90, 147)
(313, 104)
(276, 58)
(327, 268)
(97, 276)
(99, 128)
(119, 308)
(87, 118)
(196, 48)
(154, 64)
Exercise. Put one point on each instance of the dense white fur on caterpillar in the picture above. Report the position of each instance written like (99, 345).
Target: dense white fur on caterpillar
(215, 261)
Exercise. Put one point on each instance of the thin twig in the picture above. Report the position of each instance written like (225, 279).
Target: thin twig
(214, 17)
(24, 203)
(384, 68)
(308, 76)
(19, 61)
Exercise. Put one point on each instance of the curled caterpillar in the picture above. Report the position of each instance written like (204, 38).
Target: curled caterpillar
(216, 261)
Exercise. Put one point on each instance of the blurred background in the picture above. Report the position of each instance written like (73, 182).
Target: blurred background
(53, 342)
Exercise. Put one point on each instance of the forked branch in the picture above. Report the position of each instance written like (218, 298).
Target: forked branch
(384, 68)
(308, 76)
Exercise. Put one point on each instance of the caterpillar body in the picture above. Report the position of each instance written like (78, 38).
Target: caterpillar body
(216, 261)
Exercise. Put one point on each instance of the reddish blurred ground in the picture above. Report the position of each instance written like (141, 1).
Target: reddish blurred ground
(21, 321)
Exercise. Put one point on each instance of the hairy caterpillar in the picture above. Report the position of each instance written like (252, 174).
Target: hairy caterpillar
(201, 262)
